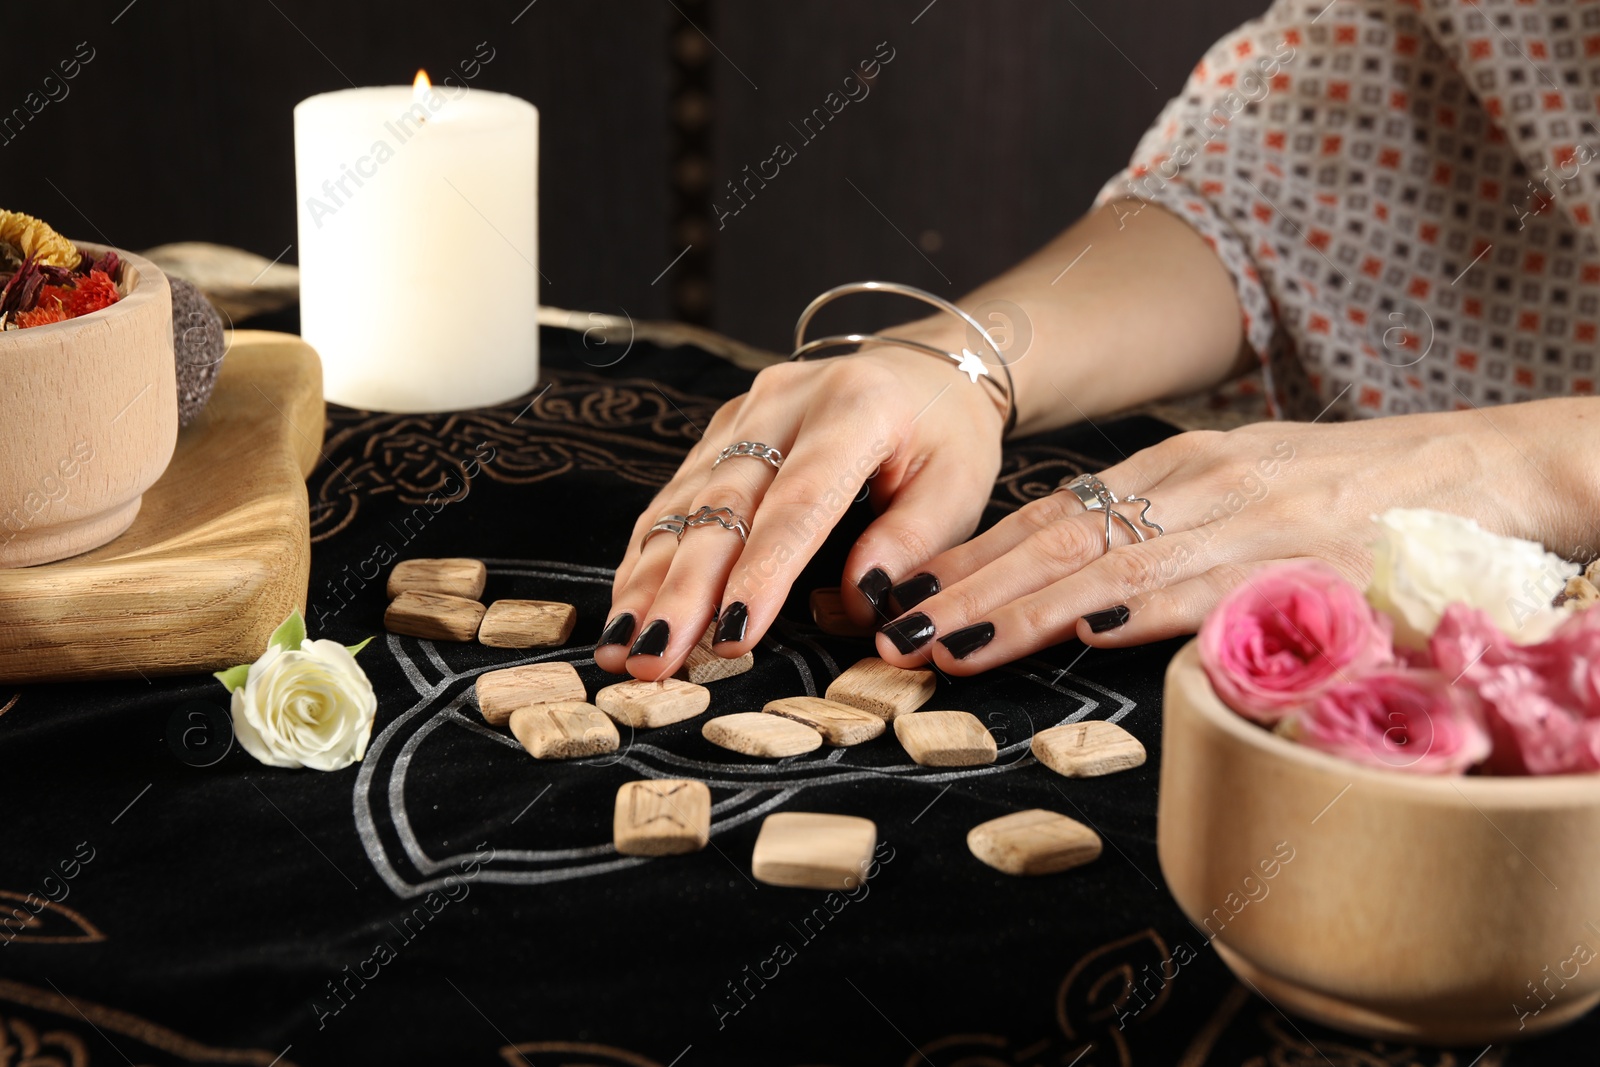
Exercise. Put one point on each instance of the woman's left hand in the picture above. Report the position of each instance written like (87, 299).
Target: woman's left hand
(1230, 503)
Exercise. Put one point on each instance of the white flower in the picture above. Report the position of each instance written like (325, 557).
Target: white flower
(1425, 560)
(303, 703)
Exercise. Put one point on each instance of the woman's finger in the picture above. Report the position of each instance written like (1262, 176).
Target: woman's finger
(631, 600)
(1135, 476)
(1052, 553)
(676, 494)
(688, 594)
(1050, 614)
(935, 508)
(1162, 462)
(643, 567)
(837, 448)
(1171, 612)
(672, 500)
(648, 556)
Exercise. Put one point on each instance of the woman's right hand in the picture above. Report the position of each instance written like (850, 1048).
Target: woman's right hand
(932, 436)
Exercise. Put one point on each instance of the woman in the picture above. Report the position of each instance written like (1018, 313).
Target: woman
(1372, 220)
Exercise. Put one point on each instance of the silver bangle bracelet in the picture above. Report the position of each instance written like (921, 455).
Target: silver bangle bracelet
(864, 339)
(926, 297)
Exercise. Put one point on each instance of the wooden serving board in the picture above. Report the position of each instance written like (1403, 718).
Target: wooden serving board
(219, 553)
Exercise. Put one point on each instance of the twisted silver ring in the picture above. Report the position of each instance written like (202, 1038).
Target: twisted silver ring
(672, 524)
(1095, 495)
(753, 449)
(723, 517)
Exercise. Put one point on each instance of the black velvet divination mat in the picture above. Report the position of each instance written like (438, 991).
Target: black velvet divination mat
(451, 900)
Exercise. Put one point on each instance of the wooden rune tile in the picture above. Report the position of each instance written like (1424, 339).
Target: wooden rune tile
(650, 704)
(704, 665)
(945, 739)
(455, 577)
(839, 724)
(435, 616)
(1087, 749)
(501, 692)
(756, 733)
(527, 624)
(661, 817)
(827, 611)
(882, 688)
(813, 851)
(1033, 842)
(568, 730)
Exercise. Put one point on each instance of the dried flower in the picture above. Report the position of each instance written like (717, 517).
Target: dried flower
(34, 240)
(47, 312)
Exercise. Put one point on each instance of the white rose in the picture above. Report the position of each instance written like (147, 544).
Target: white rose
(306, 707)
(1426, 560)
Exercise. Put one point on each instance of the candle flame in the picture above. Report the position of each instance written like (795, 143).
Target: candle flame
(421, 88)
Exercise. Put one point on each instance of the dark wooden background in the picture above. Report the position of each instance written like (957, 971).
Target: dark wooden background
(992, 128)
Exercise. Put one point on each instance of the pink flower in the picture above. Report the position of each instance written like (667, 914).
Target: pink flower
(1286, 634)
(1541, 701)
(1574, 653)
(1404, 719)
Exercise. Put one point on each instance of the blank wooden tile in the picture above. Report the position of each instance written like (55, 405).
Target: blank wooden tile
(527, 624)
(504, 691)
(455, 576)
(827, 611)
(704, 665)
(882, 688)
(650, 704)
(1087, 749)
(435, 616)
(945, 739)
(813, 851)
(1033, 842)
(757, 734)
(839, 724)
(569, 730)
(662, 817)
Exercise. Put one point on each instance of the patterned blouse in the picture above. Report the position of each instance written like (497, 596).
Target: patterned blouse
(1405, 195)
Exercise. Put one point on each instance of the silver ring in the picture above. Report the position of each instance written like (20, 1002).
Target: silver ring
(1095, 495)
(710, 516)
(755, 450)
(672, 524)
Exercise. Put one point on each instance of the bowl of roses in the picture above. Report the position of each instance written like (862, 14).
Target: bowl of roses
(1382, 806)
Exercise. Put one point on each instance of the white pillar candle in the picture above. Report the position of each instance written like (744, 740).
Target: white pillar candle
(418, 245)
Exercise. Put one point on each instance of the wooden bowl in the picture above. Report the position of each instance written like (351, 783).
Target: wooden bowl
(90, 412)
(1440, 910)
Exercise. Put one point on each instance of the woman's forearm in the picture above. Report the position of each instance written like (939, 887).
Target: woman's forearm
(1122, 311)
(1552, 451)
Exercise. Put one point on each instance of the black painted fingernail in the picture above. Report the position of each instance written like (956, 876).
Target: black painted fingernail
(967, 640)
(1109, 619)
(653, 641)
(731, 623)
(914, 590)
(909, 633)
(617, 631)
(874, 585)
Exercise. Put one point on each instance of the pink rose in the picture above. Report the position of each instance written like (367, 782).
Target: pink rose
(1537, 698)
(1404, 719)
(1574, 651)
(1287, 633)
